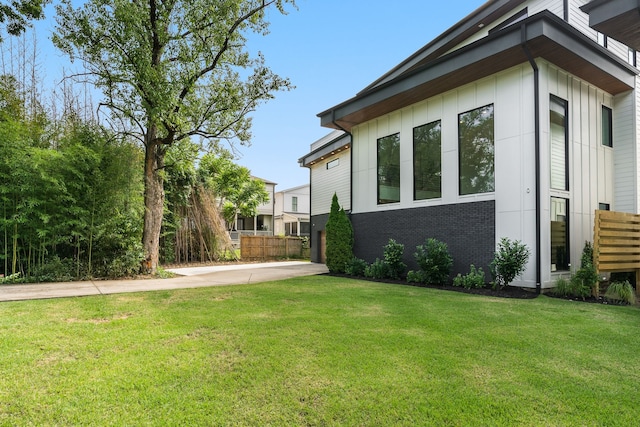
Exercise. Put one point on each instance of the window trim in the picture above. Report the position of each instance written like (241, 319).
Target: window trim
(567, 246)
(333, 163)
(433, 124)
(609, 114)
(378, 141)
(565, 105)
(493, 144)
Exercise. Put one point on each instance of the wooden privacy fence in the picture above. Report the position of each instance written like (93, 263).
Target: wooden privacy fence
(616, 243)
(253, 248)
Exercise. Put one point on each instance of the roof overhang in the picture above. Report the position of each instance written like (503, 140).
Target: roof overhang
(331, 148)
(618, 19)
(545, 36)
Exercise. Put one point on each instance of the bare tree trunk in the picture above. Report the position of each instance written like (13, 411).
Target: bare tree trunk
(153, 200)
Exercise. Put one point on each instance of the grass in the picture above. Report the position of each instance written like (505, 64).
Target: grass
(317, 351)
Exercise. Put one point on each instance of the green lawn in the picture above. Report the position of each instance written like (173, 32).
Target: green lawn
(318, 351)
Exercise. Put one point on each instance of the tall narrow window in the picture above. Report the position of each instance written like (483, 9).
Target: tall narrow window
(389, 169)
(294, 204)
(633, 60)
(607, 126)
(559, 234)
(427, 161)
(558, 149)
(476, 151)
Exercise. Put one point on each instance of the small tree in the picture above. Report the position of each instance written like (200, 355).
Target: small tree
(509, 261)
(339, 250)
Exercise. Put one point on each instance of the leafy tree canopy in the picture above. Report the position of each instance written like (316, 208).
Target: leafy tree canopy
(171, 70)
(16, 14)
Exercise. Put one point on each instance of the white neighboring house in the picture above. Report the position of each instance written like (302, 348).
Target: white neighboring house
(292, 211)
(262, 223)
(519, 121)
(329, 163)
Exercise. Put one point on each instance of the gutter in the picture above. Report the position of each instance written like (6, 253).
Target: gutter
(536, 104)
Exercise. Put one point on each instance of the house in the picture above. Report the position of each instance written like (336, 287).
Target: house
(291, 211)
(262, 222)
(329, 163)
(520, 121)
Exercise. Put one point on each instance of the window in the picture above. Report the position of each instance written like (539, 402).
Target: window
(427, 161)
(632, 57)
(603, 40)
(294, 204)
(558, 149)
(604, 206)
(389, 169)
(333, 163)
(559, 234)
(607, 126)
(476, 151)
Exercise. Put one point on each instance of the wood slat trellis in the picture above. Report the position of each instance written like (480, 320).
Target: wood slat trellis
(616, 243)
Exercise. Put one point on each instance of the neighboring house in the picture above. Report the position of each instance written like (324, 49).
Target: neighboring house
(519, 121)
(292, 211)
(329, 164)
(262, 223)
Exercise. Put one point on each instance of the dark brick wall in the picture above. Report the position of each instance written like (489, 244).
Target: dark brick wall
(467, 228)
(318, 224)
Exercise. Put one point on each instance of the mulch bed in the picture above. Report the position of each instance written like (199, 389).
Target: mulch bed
(506, 292)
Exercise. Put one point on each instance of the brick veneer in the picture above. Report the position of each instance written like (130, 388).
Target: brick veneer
(467, 228)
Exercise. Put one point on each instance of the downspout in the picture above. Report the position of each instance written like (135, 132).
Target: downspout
(336, 124)
(536, 104)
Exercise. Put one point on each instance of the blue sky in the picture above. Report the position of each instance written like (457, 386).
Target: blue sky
(330, 50)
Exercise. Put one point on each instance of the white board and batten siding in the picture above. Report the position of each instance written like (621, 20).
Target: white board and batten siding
(591, 165)
(331, 176)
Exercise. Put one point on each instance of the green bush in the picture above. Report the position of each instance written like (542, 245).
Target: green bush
(621, 292)
(416, 276)
(572, 287)
(55, 270)
(393, 252)
(339, 250)
(377, 270)
(510, 261)
(471, 280)
(563, 287)
(434, 261)
(356, 267)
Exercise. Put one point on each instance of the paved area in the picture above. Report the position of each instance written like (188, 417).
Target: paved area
(191, 277)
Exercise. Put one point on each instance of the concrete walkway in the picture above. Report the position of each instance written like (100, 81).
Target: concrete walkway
(191, 277)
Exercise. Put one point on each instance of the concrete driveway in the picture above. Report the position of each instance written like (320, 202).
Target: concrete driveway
(190, 277)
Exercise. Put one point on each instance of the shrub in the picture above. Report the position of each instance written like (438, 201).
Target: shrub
(586, 277)
(393, 252)
(621, 292)
(562, 288)
(416, 276)
(579, 288)
(339, 250)
(509, 261)
(355, 267)
(471, 280)
(434, 261)
(55, 270)
(378, 270)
